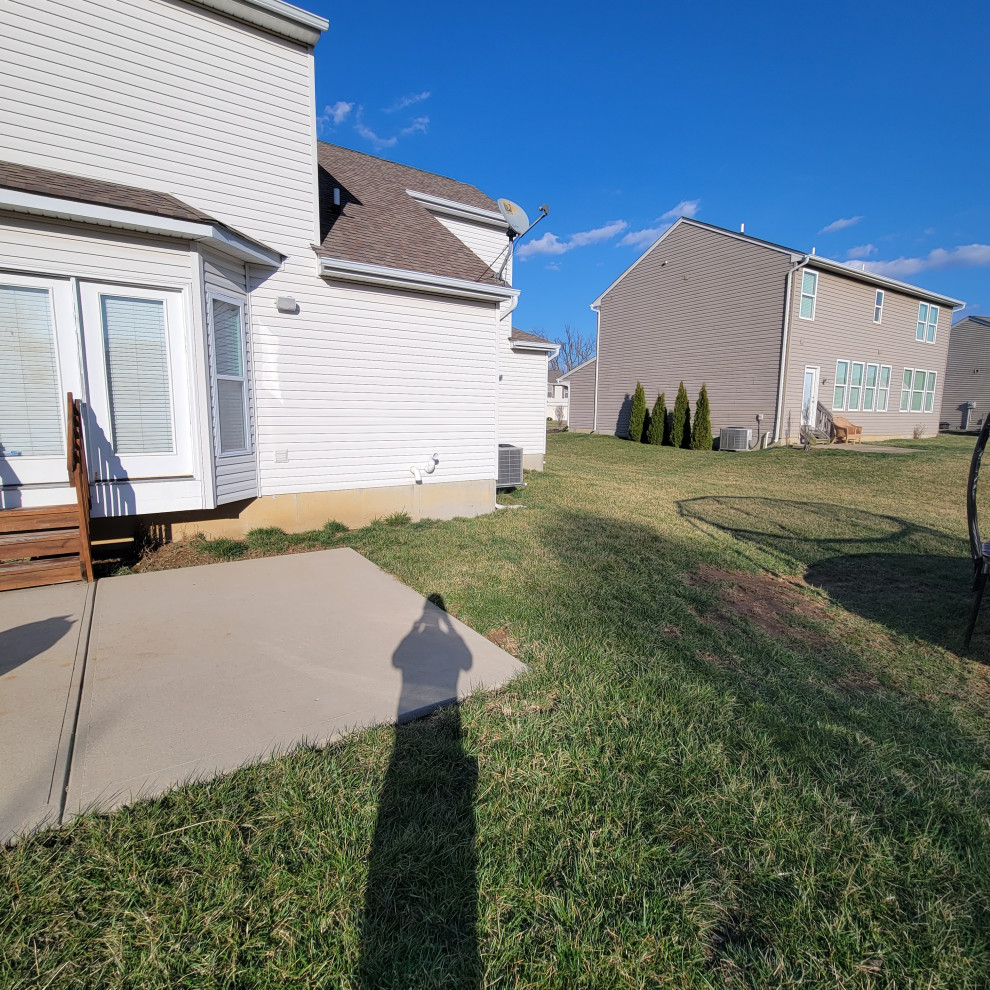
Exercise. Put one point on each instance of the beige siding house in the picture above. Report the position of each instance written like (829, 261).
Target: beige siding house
(966, 394)
(580, 383)
(781, 338)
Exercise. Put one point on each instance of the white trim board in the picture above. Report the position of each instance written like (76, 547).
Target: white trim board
(461, 210)
(400, 278)
(275, 16)
(221, 238)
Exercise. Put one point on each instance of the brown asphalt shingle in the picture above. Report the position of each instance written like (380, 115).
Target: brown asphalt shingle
(529, 338)
(43, 182)
(379, 223)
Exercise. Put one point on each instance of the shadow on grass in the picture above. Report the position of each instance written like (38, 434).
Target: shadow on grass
(813, 722)
(419, 923)
(913, 579)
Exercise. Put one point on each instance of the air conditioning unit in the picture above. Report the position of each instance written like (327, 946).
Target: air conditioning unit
(510, 466)
(735, 438)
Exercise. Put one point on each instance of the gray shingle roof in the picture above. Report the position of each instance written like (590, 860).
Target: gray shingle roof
(379, 223)
(529, 338)
(43, 182)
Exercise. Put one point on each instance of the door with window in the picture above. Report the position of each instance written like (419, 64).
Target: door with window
(139, 418)
(38, 364)
(809, 397)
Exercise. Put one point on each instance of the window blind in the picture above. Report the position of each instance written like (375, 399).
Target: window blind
(136, 351)
(30, 421)
(228, 343)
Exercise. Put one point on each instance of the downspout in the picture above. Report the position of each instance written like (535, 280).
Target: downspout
(800, 263)
(598, 336)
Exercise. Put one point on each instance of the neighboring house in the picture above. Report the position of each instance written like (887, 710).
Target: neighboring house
(780, 337)
(966, 392)
(580, 382)
(522, 377)
(557, 397)
(264, 330)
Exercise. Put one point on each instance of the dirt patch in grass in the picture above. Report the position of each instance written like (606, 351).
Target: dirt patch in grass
(770, 604)
(503, 639)
(851, 685)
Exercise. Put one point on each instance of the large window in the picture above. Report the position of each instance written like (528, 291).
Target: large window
(30, 399)
(878, 307)
(231, 376)
(809, 294)
(927, 322)
(861, 386)
(917, 390)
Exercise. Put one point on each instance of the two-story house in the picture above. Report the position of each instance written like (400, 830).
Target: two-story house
(966, 388)
(557, 396)
(264, 329)
(781, 338)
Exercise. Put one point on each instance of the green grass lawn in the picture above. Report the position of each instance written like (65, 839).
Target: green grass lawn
(748, 752)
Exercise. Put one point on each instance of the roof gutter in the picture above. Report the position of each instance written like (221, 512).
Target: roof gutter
(275, 16)
(884, 281)
(340, 269)
(222, 238)
(523, 345)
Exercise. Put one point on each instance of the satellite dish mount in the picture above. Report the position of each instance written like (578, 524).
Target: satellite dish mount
(515, 216)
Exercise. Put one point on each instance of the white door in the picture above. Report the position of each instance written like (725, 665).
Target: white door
(39, 363)
(809, 397)
(139, 422)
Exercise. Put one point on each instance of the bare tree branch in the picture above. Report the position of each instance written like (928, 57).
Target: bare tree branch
(575, 349)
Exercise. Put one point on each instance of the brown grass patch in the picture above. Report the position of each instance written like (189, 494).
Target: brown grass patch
(768, 603)
(503, 639)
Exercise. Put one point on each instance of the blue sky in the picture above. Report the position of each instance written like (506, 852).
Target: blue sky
(861, 129)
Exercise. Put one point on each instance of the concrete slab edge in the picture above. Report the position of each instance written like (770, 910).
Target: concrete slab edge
(73, 704)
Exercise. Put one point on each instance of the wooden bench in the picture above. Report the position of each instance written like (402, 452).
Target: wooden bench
(845, 432)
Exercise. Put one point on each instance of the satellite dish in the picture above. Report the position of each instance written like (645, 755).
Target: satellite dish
(515, 216)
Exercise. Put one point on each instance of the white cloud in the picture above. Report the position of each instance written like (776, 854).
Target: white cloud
(407, 101)
(840, 224)
(334, 116)
(963, 256)
(643, 238)
(418, 126)
(685, 208)
(863, 251)
(553, 266)
(551, 244)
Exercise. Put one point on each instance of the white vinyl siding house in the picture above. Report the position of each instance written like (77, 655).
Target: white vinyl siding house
(202, 396)
(522, 376)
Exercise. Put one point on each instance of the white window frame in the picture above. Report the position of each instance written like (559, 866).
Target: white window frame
(47, 469)
(870, 389)
(217, 377)
(882, 389)
(878, 306)
(927, 326)
(813, 296)
(927, 391)
(104, 464)
(840, 406)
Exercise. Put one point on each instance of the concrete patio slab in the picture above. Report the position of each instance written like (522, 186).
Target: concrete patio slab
(200, 670)
(42, 639)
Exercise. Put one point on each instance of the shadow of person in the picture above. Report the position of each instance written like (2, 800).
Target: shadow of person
(418, 927)
(22, 643)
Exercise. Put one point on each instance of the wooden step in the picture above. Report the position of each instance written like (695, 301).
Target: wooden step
(35, 573)
(49, 517)
(40, 543)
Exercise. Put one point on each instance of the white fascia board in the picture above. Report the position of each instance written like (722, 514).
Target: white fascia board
(528, 345)
(461, 210)
(275, 16)
(817, 261)
(583, 364)
(147, 223)
(400, 278)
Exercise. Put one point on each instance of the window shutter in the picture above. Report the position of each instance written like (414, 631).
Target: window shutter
(136, 353)
(30, 421)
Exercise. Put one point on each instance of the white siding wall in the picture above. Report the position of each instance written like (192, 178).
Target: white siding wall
(487, 242)
(522, 398)
(372, 382)
(360, 383)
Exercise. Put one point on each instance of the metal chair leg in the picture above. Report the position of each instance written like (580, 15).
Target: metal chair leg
(981, 584)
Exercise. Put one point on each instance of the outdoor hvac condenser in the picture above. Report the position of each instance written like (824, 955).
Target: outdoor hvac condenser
(510, 468)
(735, 438)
